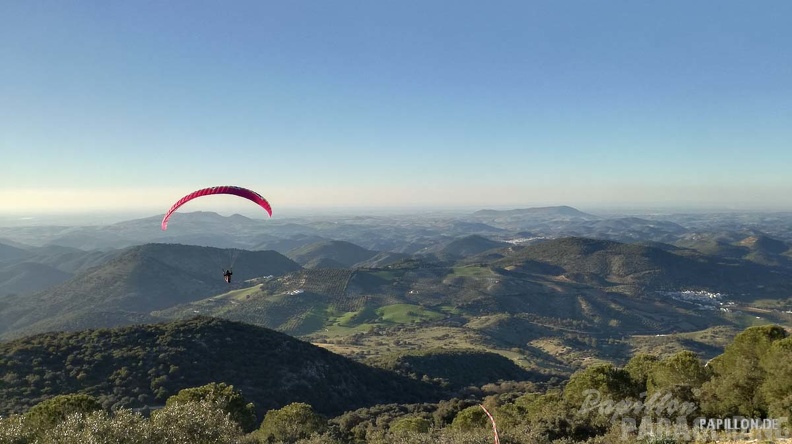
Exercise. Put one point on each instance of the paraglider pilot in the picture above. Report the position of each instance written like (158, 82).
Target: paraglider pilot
(227, 276)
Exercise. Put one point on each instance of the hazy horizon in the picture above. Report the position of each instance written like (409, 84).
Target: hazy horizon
(8, 219)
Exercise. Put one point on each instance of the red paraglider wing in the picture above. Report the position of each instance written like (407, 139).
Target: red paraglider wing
(237, 191)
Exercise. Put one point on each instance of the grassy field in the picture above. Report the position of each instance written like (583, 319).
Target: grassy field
(365, 316)
(472, 271)
(388, 275)
(368, 317)
(747, 319)
(241, 294)
(706, 343)
(406, 314)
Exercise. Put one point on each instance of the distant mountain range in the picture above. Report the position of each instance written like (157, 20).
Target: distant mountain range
(555, 212)
(407, 234)
(515, 283)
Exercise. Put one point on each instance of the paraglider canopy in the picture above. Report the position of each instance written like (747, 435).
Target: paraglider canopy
(228, 189)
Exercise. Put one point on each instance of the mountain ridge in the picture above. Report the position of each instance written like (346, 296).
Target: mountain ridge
(560, 210)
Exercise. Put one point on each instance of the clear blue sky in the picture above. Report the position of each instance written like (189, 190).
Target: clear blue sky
(360, 103)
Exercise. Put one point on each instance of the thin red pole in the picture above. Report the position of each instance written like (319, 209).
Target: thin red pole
(492, 420)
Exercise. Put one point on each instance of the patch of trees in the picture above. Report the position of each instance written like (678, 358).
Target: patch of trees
(455, 368)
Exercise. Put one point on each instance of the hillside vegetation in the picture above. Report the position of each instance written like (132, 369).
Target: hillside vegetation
(663, 399)
(144, 365)
(132, 284)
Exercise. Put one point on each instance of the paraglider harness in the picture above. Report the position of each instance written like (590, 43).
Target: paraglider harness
(227, 275)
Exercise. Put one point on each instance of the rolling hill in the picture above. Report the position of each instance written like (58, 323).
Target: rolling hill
(637, 268)
(284, 245)
(457, 368)
(29, 277)
(461, 248)
(32, 269)
(71, 260)
(751, 246)
(134, 283)
(340, 254)
(10, 253)
(143, 365)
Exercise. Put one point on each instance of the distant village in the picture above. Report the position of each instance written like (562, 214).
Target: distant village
(705, 300)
